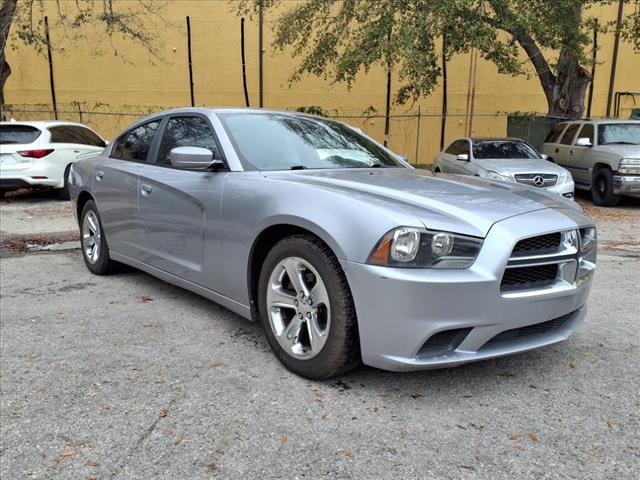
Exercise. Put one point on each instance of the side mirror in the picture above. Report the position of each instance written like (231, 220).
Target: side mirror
(544, 156)
(583, 142)
(463, 157)
(193, 158)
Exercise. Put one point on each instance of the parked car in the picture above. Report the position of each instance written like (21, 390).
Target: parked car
(506, 159)
(339, 248)
(38, 154)
(602, 155)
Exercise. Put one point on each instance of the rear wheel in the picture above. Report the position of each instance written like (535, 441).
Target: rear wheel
(94, 244)
(306, 309)
(602, 188)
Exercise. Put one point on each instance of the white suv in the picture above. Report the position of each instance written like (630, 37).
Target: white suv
(39, 154)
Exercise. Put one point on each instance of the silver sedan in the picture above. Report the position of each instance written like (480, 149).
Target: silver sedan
(506, 159)
(341, 250)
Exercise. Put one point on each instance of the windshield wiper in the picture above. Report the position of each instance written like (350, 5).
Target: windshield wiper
(298, 167)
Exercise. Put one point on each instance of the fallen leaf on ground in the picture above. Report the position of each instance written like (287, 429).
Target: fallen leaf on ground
(211, 467)
(347, 452)
(460, 426)
(91, 463)
(178, 440)
(612, 425)
(375, 409)
(283, 439)
(145, 298)
(326, 416)
(319, 397)
(218, 364)
(533, 436)
(571, 365)
(516, 437)
(163, 413)
(466, 467)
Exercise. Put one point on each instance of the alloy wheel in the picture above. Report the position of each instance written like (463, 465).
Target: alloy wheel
(298, 308)
(91, 237)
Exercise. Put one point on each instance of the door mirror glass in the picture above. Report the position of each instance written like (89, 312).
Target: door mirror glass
(583, 142)
(463, 157)
(544, 156)
(193, 158)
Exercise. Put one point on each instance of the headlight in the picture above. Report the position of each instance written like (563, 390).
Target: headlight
(496, 176)
(629, 166)
(419, 248)
(565, 177)
(588, 237)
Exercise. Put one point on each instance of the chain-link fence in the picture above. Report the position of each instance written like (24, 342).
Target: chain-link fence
(414, 134)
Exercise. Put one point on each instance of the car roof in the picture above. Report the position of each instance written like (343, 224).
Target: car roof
(41, 124)
(602, 120)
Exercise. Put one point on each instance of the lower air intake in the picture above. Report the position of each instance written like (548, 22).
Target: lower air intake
(530, 331)
(443, 342)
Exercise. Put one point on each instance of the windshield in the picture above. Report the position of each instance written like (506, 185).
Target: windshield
(21, 134)
(503, 150)
(619, 133)
(273, 141)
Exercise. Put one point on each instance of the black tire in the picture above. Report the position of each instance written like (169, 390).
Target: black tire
(602, 188)
(341, 352)
(63, 193)
(437, 170)
(103, 264)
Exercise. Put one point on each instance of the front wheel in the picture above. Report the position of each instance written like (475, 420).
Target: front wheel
(602, 189)
(306, 309)
(93, 242)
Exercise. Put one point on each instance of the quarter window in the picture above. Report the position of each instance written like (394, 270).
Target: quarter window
(135, 145)
(20, 134)
(185, 132)
(75, 134)
(567, 138)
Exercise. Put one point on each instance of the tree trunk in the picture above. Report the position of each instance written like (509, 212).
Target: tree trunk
(570, 84)
(7, 12)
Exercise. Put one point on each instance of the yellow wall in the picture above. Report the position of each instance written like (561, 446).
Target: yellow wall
(88, 73)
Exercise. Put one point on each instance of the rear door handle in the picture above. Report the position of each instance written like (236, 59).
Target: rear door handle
(145, 189)
(99, 175)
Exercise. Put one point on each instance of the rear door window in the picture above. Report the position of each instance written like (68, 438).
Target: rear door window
(136, 143)
(75, 134)
(567, 138)
(554, 134)
(18, 134)
(185, 131)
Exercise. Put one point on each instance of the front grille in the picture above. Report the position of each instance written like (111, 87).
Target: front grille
(540, 245)
(525, 278)
(541, 180)
(443, 342)
(529, 331)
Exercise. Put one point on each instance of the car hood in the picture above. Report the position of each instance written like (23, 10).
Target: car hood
(523, 165)
(623, 151)
(463, 204)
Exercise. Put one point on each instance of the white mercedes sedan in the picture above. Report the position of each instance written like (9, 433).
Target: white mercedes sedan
(506, 159)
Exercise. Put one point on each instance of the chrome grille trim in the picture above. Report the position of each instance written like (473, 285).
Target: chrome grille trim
(540, 180)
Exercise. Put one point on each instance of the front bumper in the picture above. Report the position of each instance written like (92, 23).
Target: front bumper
(626, 185)
(565, 189)
(399, 310)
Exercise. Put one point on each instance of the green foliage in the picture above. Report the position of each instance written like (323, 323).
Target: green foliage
(313, 110)
(337, 40)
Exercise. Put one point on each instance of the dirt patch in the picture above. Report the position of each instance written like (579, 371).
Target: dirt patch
(16, 245)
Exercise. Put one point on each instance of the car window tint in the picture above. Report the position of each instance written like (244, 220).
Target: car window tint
(18, 134)
(464, 147)
(137, 143)
(567, 138)
(587, 132)
(554, 134)
(453, 149)
(503, 150)
(75, 134)
(185, 132)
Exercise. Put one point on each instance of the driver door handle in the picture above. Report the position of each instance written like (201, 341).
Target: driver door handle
(145, 189)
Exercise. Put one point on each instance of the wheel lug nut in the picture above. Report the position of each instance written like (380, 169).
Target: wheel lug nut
(295, 302)
(309, 315)
(310, 302)
(299, 315)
